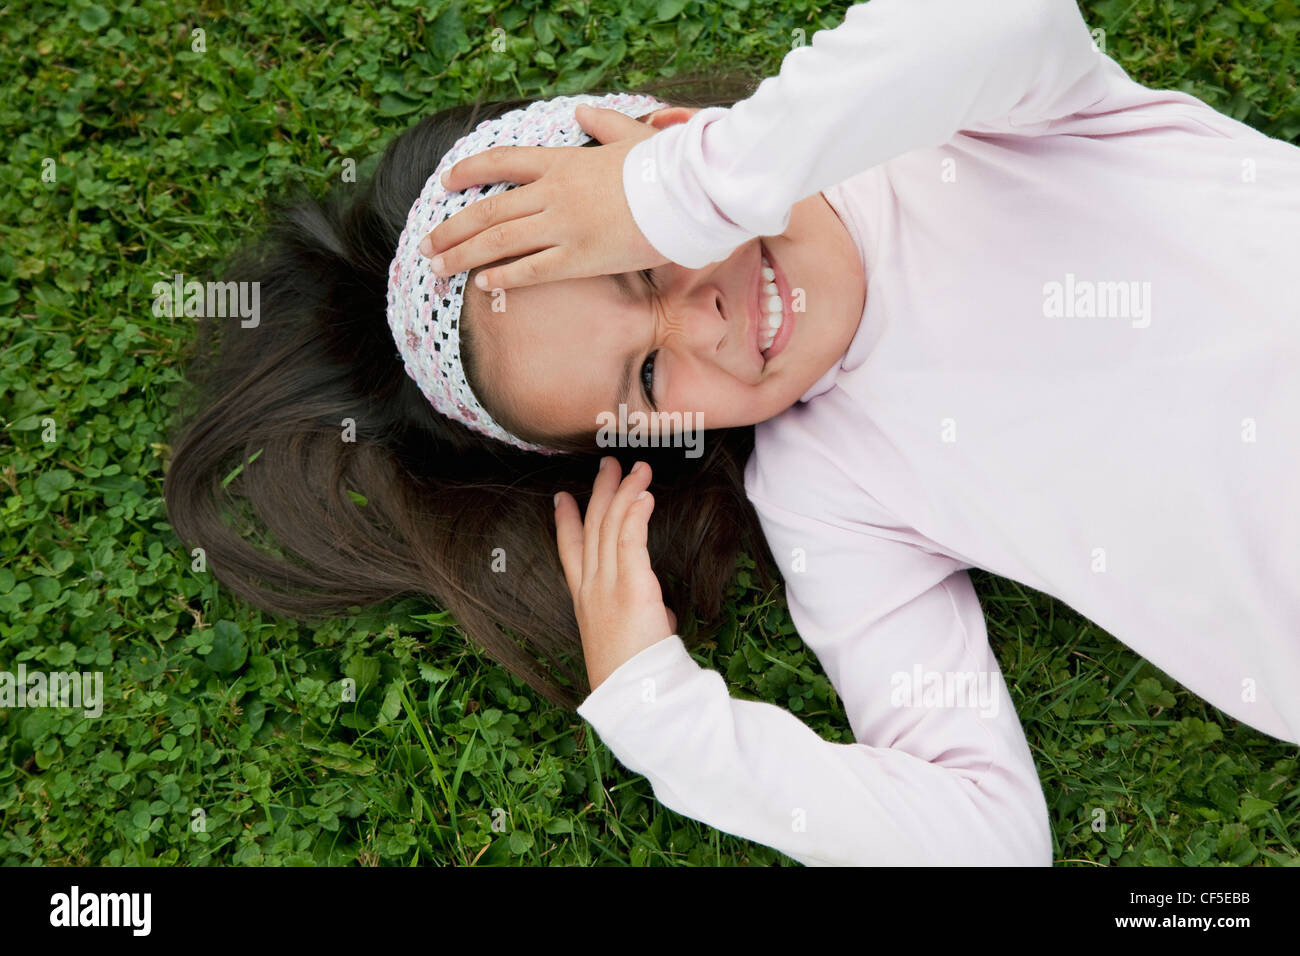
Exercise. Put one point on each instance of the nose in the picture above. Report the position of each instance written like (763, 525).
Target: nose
(709, 309)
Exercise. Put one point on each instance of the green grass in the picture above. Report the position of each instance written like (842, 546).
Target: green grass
(161, 155)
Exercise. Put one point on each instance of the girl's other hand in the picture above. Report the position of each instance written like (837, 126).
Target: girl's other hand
(569, 211)
(616, 595)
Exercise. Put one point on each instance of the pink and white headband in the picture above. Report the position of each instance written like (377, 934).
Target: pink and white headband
(424, 309)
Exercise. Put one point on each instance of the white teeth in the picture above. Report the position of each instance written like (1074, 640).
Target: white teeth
(774, 307)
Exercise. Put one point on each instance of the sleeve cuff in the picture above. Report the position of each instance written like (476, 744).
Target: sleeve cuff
(677, 218)
(631, 690)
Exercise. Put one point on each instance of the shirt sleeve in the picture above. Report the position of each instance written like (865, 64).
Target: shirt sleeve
(941, 772)
(896, 75)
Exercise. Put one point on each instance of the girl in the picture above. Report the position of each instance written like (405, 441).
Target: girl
(978, 330)
(1073, 367)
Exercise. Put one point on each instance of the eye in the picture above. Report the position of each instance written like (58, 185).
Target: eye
(648, 378)
(648, 369)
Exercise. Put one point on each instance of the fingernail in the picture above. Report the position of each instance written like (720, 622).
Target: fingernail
(642, 495)
(426, 247)
(556, 499)
(637, 467)
(604, 462)
(480, 280)
(438, 265)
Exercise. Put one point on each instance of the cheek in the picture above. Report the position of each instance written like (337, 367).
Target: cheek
(720, 400)
(698, 388)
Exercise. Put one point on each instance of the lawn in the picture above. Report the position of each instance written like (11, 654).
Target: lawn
(142, 141)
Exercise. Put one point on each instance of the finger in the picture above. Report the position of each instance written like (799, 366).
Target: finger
(602, 490)
(513, 164)
(615, 519)
(518, 237)
(632, 556)
(607, 125)
(473, 219)
(568, 539)
(549, 265)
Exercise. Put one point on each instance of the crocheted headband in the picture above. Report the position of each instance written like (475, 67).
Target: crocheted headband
(424, 309)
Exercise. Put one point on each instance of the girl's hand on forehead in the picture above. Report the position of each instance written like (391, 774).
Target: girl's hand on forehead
(616, 596)
(568, 219)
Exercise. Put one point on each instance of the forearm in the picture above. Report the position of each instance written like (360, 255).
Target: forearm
(755, 770)
(896, 75)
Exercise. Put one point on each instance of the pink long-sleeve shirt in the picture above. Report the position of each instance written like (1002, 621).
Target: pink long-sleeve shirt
(1078, 367)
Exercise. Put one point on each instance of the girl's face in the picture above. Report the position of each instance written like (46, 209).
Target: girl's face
(561, 355)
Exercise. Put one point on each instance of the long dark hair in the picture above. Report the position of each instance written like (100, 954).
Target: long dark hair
(416, 504)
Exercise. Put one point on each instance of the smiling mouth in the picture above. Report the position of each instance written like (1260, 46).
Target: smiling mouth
(772, 310)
